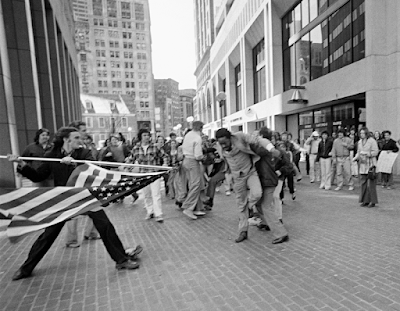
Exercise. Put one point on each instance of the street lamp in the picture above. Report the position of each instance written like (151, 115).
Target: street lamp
(221, 97)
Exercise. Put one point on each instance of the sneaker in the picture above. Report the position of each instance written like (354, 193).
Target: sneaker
(293, 196)
(217, 189)
(228, 193)
(321, 187)
(388, 188)
(338, 188)
(129, 264)
(132, 253)
(149, 216)
(199, 213)
(73, 245)
(189, 214)
(254, 221)
(351, 188)
(159, 219)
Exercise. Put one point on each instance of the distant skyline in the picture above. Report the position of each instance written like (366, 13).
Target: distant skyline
(173, 42)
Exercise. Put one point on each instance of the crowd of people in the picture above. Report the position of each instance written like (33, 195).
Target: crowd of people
(342, 157)
(257, 168)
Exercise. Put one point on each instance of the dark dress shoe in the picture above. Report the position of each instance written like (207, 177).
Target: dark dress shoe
(129, 265)
(178, 203)
(209, 203)
(281, 240)
(262, 226)
(371, 205)
(19, 274)
(242, 237)
(364, 204)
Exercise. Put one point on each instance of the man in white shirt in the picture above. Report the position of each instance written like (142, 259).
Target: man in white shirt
(313, 142)
(193, 155)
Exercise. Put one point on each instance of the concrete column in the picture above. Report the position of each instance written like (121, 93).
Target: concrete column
(55, 69)
(8, 126)
(63, 81)
(246, 61)
(35, 78)
(273, 49)
(230, 87)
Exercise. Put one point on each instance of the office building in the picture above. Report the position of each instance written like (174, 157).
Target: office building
(114, 51)
(167, 112)
(302, 66)
(186, 104)
(39, 84)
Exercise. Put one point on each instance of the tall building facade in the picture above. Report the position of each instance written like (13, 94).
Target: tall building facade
(39, 84)
(186, 97)
(341, 56)
(114, 52)
(167, 103)
(204, 38)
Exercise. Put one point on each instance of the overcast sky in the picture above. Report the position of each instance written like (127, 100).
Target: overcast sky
(172, 31)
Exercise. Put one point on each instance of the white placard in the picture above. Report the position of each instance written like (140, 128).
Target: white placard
(386, 161)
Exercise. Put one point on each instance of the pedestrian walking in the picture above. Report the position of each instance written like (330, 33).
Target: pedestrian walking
(192, 164)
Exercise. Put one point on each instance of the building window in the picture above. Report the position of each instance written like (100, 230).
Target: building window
(97, 7)
(126, 10)
(124, 122)
(89, 105)
(238, 84)
(101, 122)
(139, 11)
(140, 26)
(111, 8)
(336, 42)
(89, 122)
(83, 57)
(260, 87)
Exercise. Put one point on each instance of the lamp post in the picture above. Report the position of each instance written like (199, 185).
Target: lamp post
(221, 97)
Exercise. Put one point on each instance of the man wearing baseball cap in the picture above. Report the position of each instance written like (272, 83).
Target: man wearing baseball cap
(313, 142)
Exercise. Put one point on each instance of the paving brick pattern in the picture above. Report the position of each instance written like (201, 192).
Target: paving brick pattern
(340, 257)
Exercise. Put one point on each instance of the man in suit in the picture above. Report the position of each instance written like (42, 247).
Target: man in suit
(235, 150)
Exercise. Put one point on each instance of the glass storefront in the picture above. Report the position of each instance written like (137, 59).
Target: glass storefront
(342, 116)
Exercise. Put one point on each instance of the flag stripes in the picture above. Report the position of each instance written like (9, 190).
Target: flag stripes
(88, 188)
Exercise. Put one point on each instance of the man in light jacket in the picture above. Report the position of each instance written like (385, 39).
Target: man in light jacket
(235, 150)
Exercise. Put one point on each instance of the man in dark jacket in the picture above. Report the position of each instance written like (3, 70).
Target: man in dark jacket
(268, 172)
(325, 160)
(67, 146)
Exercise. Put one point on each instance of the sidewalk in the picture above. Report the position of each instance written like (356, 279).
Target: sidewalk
(340, 257)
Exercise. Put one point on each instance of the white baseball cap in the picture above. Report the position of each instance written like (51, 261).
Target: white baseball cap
(315, 133)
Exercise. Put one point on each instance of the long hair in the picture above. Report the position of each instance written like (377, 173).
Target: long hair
(62, 133)
(366, 131)
(38, 132)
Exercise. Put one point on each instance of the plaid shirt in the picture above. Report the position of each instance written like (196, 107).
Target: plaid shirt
(153, 156)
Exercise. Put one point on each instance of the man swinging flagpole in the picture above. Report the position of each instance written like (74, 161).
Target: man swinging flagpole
(67, 148)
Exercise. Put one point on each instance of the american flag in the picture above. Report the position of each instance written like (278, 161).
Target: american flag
(89, 188)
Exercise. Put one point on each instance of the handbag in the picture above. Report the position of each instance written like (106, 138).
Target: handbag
(372, 172)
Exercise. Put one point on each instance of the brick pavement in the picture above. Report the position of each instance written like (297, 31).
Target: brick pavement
(340, 257)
